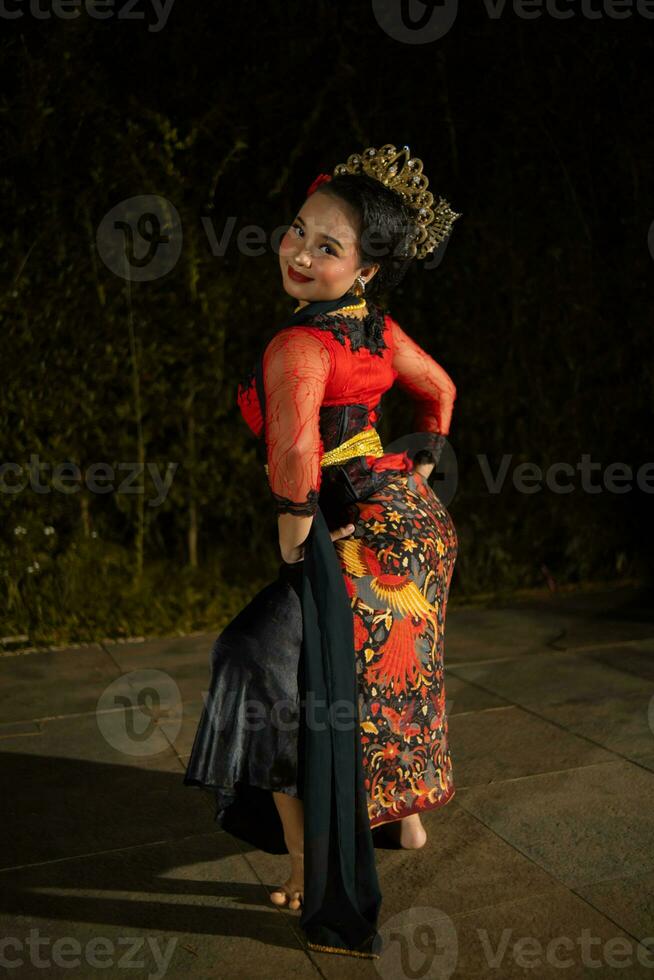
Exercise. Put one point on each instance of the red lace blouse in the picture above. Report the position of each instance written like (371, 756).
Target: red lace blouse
(304, 368)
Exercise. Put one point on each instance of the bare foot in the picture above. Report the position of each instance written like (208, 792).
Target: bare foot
(409, 832)
(291, 894)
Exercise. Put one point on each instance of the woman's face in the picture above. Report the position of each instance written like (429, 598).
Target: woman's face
(318, 254)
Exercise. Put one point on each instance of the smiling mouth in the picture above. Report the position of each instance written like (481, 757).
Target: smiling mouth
(297, 276)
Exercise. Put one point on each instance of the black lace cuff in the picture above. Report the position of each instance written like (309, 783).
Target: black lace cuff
(307, 508)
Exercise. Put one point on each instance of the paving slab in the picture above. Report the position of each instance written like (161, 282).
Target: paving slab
(580, 825)
(54, 682)
(462, 696)
(506, 743)
(624, 725)
(549, 678)
(629, 901)
(473, 633)
(186, 658)
(634, 658)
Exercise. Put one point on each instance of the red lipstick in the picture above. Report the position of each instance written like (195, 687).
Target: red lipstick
(297, 276)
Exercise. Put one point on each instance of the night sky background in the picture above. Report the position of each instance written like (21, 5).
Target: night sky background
(538, 130)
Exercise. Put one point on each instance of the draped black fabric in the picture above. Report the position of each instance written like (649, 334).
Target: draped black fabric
(241, 759)
(341, 892)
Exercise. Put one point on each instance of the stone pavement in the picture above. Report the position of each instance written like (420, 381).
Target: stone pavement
(542, 865)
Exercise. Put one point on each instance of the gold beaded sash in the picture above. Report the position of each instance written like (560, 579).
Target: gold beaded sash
(364, 443)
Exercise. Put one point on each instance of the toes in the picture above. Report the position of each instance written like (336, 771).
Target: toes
(281, 897)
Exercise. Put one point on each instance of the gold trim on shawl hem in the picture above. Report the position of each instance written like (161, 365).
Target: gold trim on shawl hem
(347, 952)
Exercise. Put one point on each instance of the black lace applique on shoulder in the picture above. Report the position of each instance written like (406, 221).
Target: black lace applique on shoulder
(367, 332)
(307, 508)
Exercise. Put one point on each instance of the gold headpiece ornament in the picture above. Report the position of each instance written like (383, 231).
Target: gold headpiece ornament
(402, 173)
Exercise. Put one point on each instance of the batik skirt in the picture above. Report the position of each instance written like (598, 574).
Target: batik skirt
(397, 568)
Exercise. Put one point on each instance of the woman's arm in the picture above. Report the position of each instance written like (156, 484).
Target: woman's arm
(428, 384)
(296, 368)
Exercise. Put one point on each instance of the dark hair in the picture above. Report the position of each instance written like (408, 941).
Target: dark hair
(423, 456)
(387, 227)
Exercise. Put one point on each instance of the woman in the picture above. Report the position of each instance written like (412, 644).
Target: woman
(356, 617)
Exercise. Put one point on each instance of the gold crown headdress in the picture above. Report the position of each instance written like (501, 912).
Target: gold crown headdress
(405, 177)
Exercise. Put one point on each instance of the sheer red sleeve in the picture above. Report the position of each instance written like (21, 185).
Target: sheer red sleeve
(428, 384)
(296, 369)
